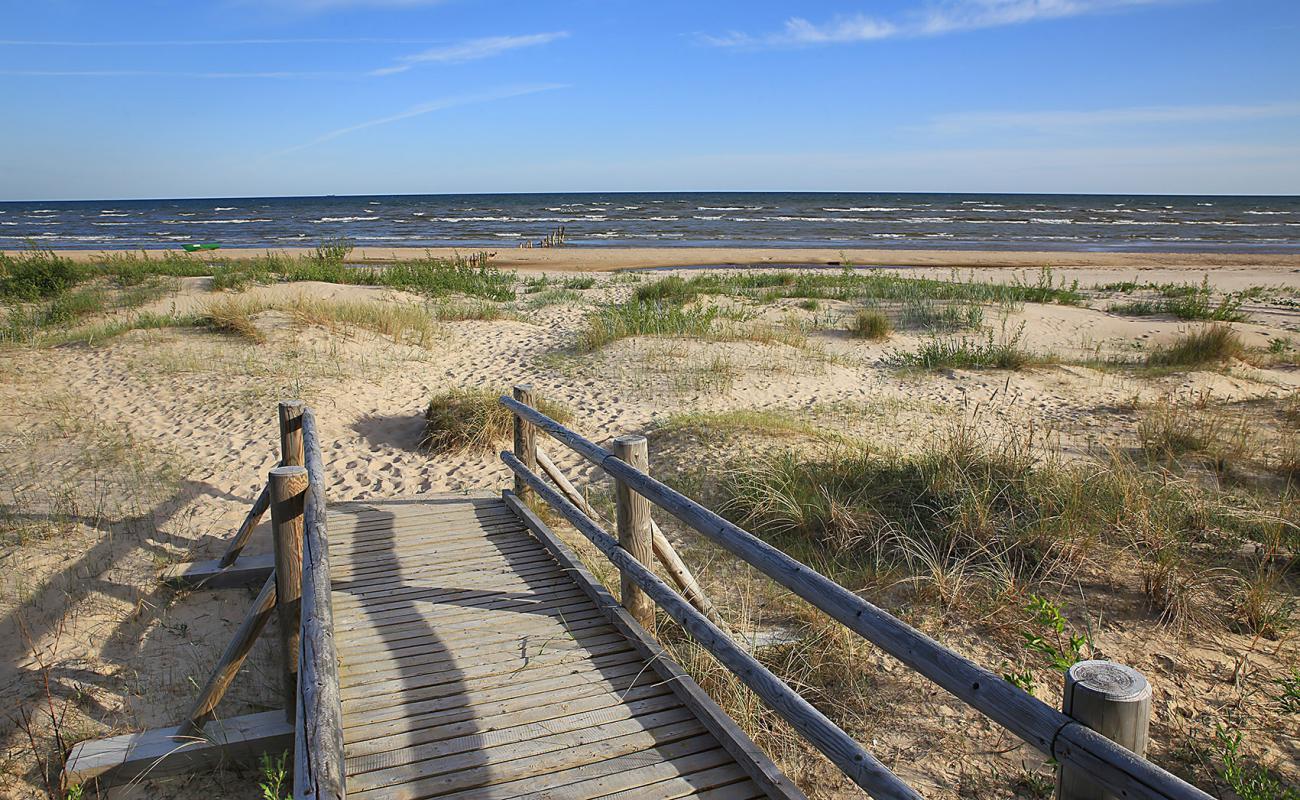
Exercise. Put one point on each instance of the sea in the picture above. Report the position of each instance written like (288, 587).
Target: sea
(676, 219)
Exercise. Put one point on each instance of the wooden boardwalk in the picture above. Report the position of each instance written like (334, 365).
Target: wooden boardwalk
(477, 659)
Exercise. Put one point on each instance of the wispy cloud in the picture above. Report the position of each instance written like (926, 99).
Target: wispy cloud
(205, 42)
(471, 50)
(1058, 121)
(428, 108)
(948, 16)
(147, 73)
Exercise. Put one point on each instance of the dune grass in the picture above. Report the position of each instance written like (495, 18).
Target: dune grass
(870, 325)
(967, 352)
(472, 420)
(857, 285)
(773, 423)
(1210, 344)
(1187, 302)
(648, 318)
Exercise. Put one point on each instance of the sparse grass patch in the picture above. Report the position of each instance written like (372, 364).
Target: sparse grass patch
(870, 325)
(969, 353)
(400, 322)
(453, 310)
(927, 314)
(553, 297)
(761, 421)
(1210, 344)
(472, 420)
(38, 274)
(646, 318)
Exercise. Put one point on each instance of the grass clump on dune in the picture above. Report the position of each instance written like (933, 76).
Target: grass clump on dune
(969, 353)
(647, 318)
(37, 274)
(851, 285)
(472, 420)
(719, 424)
(870, 325)
(1211, 344)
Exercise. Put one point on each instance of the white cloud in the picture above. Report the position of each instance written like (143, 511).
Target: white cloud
(948, 16)
(203, 42)
(1057, 121)
(428, 108)
(471, 50)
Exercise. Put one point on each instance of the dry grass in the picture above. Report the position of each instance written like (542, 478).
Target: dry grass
(399, 321)
(1210, 344)
(870, 325)
(472, 420)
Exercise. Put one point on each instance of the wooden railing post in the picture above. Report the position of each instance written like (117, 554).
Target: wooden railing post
(525, 440)
(1113, 700)
(288, 493)
(291, 452)
(634, 534)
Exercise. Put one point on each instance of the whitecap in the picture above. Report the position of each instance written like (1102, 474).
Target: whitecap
(346, 219)
(226, 208)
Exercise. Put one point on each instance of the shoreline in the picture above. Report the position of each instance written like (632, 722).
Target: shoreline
(580, 259)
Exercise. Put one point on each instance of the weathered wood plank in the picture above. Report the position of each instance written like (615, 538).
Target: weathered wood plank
(245, 572)
(162, 752)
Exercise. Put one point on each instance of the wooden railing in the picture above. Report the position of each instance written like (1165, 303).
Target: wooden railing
(318, 731)
(1079, 749)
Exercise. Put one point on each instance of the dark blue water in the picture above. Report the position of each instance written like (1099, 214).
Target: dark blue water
(777, 219)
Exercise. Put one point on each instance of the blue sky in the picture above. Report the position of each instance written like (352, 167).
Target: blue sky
(157, 98)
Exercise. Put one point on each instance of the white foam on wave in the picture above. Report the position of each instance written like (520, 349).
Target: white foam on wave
(212, 221)
(710, 218)
(1269, 213)
(869, 208)
(729, 208)
(346, 219)
(663, 219)
(1051, 221)
(226, 208)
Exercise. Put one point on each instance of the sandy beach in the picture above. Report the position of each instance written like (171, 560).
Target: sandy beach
(127, 453)
(583, 259)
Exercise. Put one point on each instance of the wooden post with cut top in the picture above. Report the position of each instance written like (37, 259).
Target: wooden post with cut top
(288, 493)
(1113, 700)
(525, 440)
(291, 450)
(634, 533)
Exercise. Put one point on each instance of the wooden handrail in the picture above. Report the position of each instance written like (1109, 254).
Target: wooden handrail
(318, 735)
(1048, 730)
(855, 761)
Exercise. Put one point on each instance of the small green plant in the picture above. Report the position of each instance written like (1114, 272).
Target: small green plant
(968, 353)
(1064, 650)
(809, 304)
(334, 251)
(580, 282)
(870, 325)
(275, 776)
(1288, 698)
(1249, 782)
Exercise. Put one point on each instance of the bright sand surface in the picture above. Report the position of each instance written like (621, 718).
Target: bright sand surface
(166, 437)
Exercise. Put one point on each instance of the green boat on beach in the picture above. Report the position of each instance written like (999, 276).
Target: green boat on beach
(194, 248)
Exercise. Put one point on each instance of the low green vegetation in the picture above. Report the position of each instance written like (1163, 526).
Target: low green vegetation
(942, 317)
(723, 424)
(870, 325)
(639, 317)
(968, 352)
(1188, 302)
(1210, 344)
(1049, 638)
(1248, 781)
(857, 285)
(473, 420)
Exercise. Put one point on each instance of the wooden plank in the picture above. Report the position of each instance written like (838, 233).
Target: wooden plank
(534, 709)
(451, 688)
(409, 746)
(449, 606)
(245, 572)
(509, 539)
(741, 747)
(408, 684)
(530, 612)
(551, 783)
(540, 756)
(420, 558)
(518, 573)
(710, 768)
(488, 700)
(522, 641)
(163, 751)
(478, 631)
(524, 651)
(453, 528)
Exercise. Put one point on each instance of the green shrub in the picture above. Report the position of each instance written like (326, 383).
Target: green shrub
(1209, 344)
(969, 353)
(37, 274)
(870, 325)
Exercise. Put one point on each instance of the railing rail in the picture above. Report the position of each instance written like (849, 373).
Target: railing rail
(1050, 731)
(318, 732)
